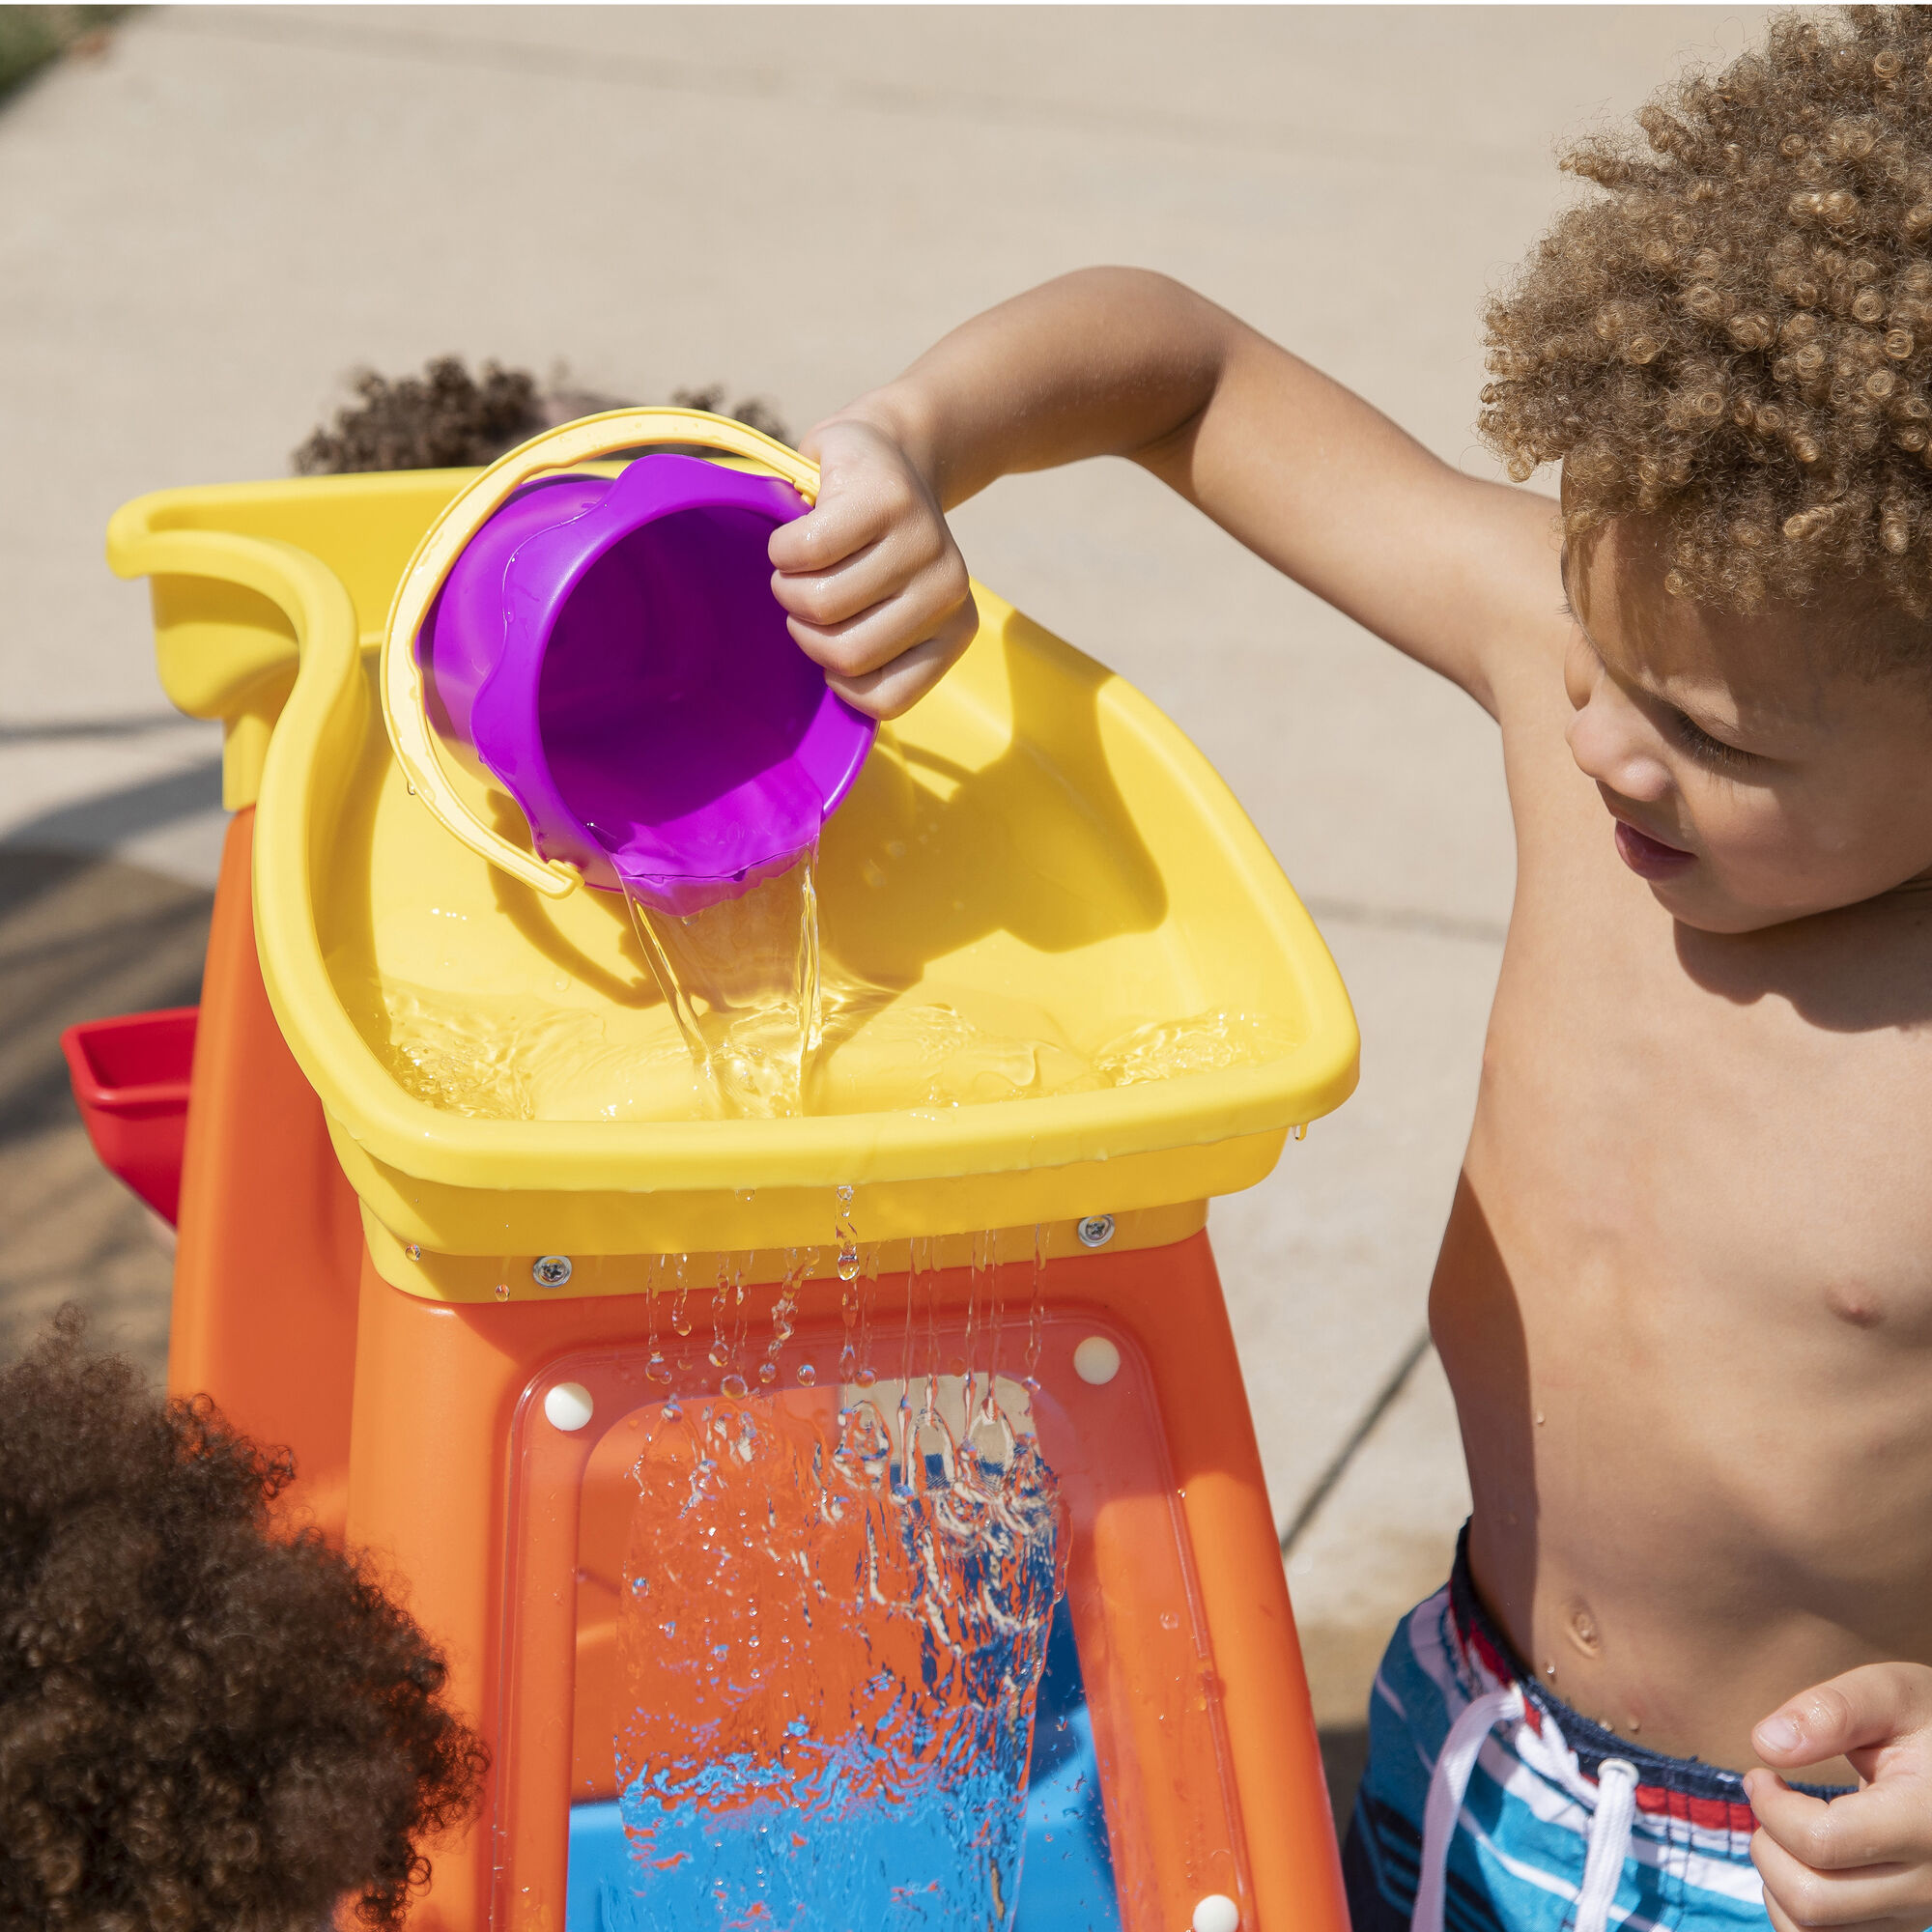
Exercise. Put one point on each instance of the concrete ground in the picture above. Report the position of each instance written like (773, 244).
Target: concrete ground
(210, 222)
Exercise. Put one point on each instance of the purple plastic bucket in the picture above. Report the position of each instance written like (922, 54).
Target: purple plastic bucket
(613, 653)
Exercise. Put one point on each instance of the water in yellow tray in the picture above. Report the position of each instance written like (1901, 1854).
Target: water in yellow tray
(520, 1057)
(759, 1019)
(773, 1034)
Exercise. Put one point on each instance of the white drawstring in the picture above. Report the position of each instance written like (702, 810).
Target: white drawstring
(1448, 1786)
(1609, 1841)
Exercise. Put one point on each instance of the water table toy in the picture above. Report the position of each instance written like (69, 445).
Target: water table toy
(450, 1314)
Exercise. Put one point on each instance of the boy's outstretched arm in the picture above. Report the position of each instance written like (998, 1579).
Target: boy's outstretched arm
(1124, 362)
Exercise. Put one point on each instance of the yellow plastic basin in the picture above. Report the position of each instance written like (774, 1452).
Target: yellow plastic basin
(1034, 847)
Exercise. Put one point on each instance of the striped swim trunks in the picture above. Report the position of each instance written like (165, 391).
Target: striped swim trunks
(1488, 1805)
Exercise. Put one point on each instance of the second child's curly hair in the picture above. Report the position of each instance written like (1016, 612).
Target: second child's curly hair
(1737, 333)
(443, 419)
(205, 1725)
(447, 419)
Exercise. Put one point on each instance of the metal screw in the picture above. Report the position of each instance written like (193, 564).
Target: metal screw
(1096, 1230)
(551, 1270)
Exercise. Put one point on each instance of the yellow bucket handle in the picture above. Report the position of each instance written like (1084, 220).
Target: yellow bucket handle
(414, 738)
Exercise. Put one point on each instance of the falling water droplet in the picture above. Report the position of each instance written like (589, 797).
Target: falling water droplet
(655, 1369)
(807, 1374)
(849, 1314)
(502, 1290)
(847, 1237)
(733, 1385)
(1036, 1311)
(869, 1294)
(979, 1278)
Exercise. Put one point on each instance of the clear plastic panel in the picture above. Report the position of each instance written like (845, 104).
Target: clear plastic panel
(766, 1734)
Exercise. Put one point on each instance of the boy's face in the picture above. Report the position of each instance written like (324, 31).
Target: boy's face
(1754, 777)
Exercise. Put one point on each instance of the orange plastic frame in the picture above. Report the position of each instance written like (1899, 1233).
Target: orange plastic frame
(404, 1417)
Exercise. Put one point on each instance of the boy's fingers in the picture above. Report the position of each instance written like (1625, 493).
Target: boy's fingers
(841, 523)
(930, 607)
(864, 490)
(896, 688)
(1866, 1706)
(1836, 1898)
(831, 596)
(870, 575)
(1782, 1922)
(1873, 1827)
(902, 683)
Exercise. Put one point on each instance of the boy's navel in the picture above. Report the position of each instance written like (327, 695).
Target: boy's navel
(1582, 1629)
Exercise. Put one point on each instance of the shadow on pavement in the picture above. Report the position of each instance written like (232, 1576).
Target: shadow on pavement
(82, 937)
(1345, 1751)
(95, 824)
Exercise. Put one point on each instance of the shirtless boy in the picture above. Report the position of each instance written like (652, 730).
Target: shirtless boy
(1684, 1297)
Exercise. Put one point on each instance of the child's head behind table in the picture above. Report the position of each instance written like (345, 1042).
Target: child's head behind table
(1725, 354)
(205, 1725)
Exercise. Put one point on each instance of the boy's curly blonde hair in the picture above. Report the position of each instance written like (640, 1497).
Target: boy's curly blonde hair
(1737, 334)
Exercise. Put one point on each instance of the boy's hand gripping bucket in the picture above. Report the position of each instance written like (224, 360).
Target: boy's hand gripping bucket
(611, 652)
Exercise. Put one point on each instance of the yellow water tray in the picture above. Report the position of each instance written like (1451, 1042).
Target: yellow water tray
(1033, 855)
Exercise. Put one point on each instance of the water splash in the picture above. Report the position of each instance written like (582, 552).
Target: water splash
(656, 1368)
(831, 1654)
(1200, 1043)
(864, 1375)
(846, 1237)
(742, 980)
(979, 1285)
(930, 1408)
(849, 1293)
(720, 1351)
(743, 1047)
(919, 1267)
(494, 1057)
(798, 1264)
(994, 1322)
(1037, 1308)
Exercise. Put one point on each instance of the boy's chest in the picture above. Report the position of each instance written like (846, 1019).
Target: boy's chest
(1751, 1116)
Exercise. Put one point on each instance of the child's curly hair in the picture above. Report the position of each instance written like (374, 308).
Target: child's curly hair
(443, 419)
(203, 1724)
(448, 420)
(1738, 333)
